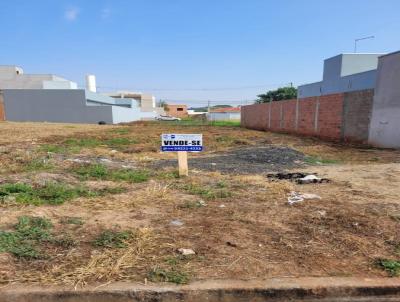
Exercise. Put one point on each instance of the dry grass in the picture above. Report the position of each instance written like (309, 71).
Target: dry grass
(353, 224)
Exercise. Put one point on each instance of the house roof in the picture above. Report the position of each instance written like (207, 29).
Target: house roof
(228, 109)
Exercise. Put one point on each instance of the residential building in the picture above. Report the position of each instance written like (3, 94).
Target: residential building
(176, 110)
(146, 102)
(224, 114)
(344, 73)
(49, 98)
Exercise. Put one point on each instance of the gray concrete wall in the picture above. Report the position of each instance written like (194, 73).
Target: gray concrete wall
(385, 123)
(46, 105)
(357, 110)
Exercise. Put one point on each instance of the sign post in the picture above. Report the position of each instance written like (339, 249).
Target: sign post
(182, 143)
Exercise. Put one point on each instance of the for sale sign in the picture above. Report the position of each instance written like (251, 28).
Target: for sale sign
(181, 142)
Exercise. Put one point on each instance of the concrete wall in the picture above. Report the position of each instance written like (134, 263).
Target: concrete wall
(65, 106)
(385, 121)
(357, 115)
(340, 116)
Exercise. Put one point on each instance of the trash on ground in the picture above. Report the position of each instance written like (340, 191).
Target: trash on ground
(186, 252)
(222, 206)
(232, 244)
(201, 203)
(295, 197)
(311, 179)
(176, 222)
(299, 177)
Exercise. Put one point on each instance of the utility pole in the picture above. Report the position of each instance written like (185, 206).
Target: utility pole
(360, 39)
(208, 106)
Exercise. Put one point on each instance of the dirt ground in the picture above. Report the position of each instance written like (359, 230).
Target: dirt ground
(119, 225)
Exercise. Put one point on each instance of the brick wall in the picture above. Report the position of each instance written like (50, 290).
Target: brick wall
(307, 111)
(176, 110)
(255, 116)
(330, 116)
(289, 116)
(341, 116)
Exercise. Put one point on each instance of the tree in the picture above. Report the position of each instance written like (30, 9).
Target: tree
(280, 94)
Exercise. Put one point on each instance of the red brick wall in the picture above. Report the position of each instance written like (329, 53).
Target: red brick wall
(330, 116)
(255, 116)
(340, 116)
(307, 108)
(289, 115)
(276, 116)
(283, 116)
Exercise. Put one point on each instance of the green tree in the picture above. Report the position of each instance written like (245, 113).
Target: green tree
(280, 94)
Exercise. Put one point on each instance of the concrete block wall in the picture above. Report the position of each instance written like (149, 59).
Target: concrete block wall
(339, 116)
(357, 115)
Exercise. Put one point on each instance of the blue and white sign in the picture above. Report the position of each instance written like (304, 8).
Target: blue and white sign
(181, 142)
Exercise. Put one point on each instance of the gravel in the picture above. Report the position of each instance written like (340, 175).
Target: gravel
(255, 160)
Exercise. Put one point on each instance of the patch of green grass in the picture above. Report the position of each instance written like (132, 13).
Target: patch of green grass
(119, 141)
(313, 160)
(24, 241)
(112, 239)
(207, 192)
(168, 174)
(34, 228)
(120, 131)
(164, 275)
(134, 176)
(391, 266)
(51, 193)
(225, 123)
(98, 171)
(86, 142)
(30, 237)
(52, 148)
(39, 165)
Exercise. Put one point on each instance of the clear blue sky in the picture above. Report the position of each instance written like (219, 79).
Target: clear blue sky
(232, 49)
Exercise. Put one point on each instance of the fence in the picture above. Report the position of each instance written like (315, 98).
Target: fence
(341, 116)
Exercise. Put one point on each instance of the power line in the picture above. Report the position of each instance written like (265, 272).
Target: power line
(194, 89)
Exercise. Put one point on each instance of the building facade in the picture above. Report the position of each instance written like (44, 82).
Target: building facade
(176, 110)
(49, 98)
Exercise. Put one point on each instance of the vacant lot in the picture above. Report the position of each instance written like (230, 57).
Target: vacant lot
(94, 204)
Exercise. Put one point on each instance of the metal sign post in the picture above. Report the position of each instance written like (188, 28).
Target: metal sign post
(182, 143)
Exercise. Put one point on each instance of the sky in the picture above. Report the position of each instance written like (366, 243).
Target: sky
(192, 51)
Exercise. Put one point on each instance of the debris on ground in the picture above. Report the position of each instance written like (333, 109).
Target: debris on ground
(231, 244)
(299, 177)
(308, 179)
(186, 252)
(176, 222)
(201, 203)
(295, 197)
(222, 206)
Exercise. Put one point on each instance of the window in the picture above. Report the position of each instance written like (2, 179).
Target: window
(179, 109)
